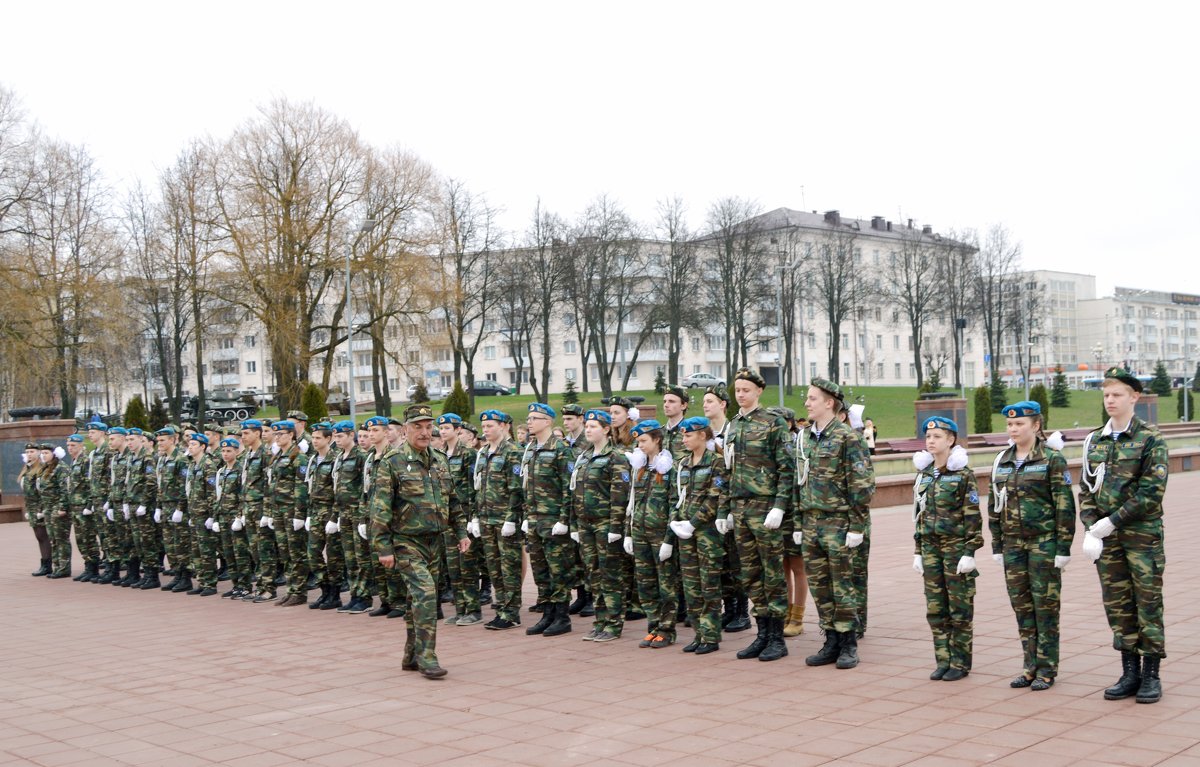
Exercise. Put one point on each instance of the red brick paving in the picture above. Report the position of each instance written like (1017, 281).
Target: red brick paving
(97, 676)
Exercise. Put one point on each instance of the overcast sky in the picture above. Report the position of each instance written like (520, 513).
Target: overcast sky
(1074, 124)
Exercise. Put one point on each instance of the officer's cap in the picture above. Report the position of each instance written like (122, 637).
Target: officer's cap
(418, 412)
(573, 409)
(298, 415)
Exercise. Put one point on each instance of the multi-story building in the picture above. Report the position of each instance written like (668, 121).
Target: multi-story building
(1138, 328)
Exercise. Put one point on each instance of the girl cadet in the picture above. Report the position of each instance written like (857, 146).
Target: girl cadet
(1031, 515)
(31, 469)
(55, 507)
(948, 530)
(700, 476)
(600, 487)
(647, 537)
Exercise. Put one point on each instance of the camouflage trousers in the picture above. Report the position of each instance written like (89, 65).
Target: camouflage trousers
(416, 565)
(147, 541)
(761, 553)
(326, 557)
(700, 561)
(180, 537)
(554, 557)
(731, 568)
(357, 551)
(503, 558)
(203, 560)
(86, 537)
(657, 585)
(949, 601)
(463, 571)
(859, 557)
(603, 564)
(387, 583)
(58, 527)
(235, 550)
(297, 556)
(830, 567)
(120, 536)
(1034, 589)
(1131, 570)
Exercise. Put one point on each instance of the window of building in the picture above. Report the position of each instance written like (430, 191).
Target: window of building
(225, 367)
(362, 359)
(812, 370)
(912, 370)
(594, 372)
(489, 352)
(363, 385)
(845, 340)
(895, 316)
(250, 341)
(633, 372)
(491, 377)
(896, 375)
(910, 343)
(695, 343)
(393, 384)
(716, 342)
(570, 347)
(569, 374)
(251, 366)
(896, 342)
(845, 371)
(717, 370)
(878, 341)
(442, 354)
(225, 342)
(414, 356)
(879, 370)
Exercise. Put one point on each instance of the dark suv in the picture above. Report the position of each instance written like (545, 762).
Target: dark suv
(486, 388)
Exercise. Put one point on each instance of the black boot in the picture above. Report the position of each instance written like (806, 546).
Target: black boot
(316, 603)
(43, 570)
(334, 601)
(134, 575)
(110, 575)
(86, 575)
(741, 618)
(776, 648)
(755, 648)
(185, 581)
(549, 613)
(828, 653)
(151, 581)
(561, 623)
(848, 657)
(171, 584)
(588, 608)
(311, 583)
(1151, 689)
(485, 592)
(1131, 677)
(581, 596)
(730, 612)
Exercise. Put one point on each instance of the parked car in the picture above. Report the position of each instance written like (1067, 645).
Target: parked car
(488, 388)
(433, 391)
(702, 380)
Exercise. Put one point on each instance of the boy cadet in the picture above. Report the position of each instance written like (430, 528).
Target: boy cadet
(325, 558)
(498, 517)
(1120, 502)
(572, 417)
(836, 481)
(760, 487)
(140, 491)
(252, 490)
(199, 489)
(463, 566)
(98, 477)
(378, 436)
(347, 494)
(117, 508)
(675, 405)
(413, 503)
(287, 512)
(85, 521)
(170, 473)
(546, 467)
(231, 525)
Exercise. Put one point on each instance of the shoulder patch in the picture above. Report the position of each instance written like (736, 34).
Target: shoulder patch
(624, 476)
(570, 466)
(718, 482)
(1067, 476)
(973, 496)
(1160, 471)
(517, 470)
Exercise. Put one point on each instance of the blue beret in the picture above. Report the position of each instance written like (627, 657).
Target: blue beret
(283, 426)
(167, 431)
(644, 427)
(199, 437)
(375, 420)
(230, 442)
(98, 426)
(1021, 409)
(118, 430)
(495, 415)
(252, 423)
(939, 422)
(75, 438)
(323, 426)
(137, 432)
(543, 408)
(598, 415)
(449, 418)
(344, 427)
(698, 423)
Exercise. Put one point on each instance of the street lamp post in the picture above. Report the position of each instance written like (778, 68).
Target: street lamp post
(366, 226)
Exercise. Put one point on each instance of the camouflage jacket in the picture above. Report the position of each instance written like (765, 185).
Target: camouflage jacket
(285, 477)
(673, 440)
(1125, 476)
(699, 486)
(52, 483)
(760, 465)
(413, 495)
(347, 481)
(98, 475)
(498, 484)
(118, 473)
(227, 500)
(317, 490)
(172, 469)
(601, 486)
(1031, 500)
(198, 485)
(650, 510)
(577, 445)
(139, 480)
(462, 474)
(546, 480)
(78, 490)
(252, 484)
(834, 475)
(946, 505)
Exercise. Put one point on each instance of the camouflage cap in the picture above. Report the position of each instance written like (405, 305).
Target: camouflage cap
(720, 391)
(298, 415)
(573, 409)
(624, 402)
(679, 392)
(415, 413)
(787, 413)
(829, 387)
(1124, 376)
(751, 375)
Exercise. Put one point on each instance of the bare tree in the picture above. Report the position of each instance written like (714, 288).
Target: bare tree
(835, 285)
(545, 255)
(997, 262)
(909, 285)
(512, 313)
(738, 284)
(674, 274)
(958, 277)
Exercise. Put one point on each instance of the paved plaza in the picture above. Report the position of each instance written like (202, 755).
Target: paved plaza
(95, 675)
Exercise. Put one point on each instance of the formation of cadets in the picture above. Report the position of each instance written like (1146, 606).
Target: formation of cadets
(688, 521)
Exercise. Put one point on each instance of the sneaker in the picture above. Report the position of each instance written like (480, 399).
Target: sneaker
(470, 619)
(646, 640)
(661, 641)
(492, 623)
(606, 636)
(452, 620)
(591, 635)
(362, 608)
(502, 624)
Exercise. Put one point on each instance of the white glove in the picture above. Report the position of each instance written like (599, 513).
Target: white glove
(362, 530)
(965, 565)
(87, 512)
(208, 523)
(264, 521)
(637, 459)
(575, 535)
(274, 448)
(308, 523)
(1092, 546)
(331, 527)
(509, 529)
(271, 523)
(140, 511)
(191, 523)
(157, 515)
(722, 526)
(683, 529)
(109, 513)
(559, 529)
(614, 537)
(525, 526)
(177, 516)
(664, 552)
(797, 538)
(1062, 562)
(854, 540)
(628, 545)
(774, 519)
(125, 510)
(303, 446)
(473, 527)
(1103, 528)
(107, 507)
(998, 559)
(663, 462)
(216, 528)
(237, 524)
(918, 567)
(297, 524)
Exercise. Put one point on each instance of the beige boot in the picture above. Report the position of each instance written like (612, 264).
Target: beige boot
(795, 621)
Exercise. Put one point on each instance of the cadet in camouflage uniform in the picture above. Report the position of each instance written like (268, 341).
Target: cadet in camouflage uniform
(463, 567)
(648, 537)
(99, 476)
(498, 516)
(546, 486)
(1031, 515)
(199, 486)
(325, 558)
(172, 470)
(254, 463)
(760, 489)
(33, 513)
(378, 433)
(52, 482)
(1120, 501)
(139, 490)
(413, 502)
(675, 406)
(79, 498)
(230, 522)
(948, 530)
(600, 483)
(285, 480)
(836, 481)
(117, 509)
(793, 554)
(737, 606)
(572, 416)
(347, 494)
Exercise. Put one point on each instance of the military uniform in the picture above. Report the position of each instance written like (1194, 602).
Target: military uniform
(252, 492)
(199, 485)
(86, 539)
(695, 499)
(499, 501)
(347, 493)
(545, 482)
(463, 567)
(228, 513)
(172, 470)
(140, 492)
(118, 513)
(53, 505)
(98, 477)
(285, 476)
(326, 560)
(657, 579)
(600, 484)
